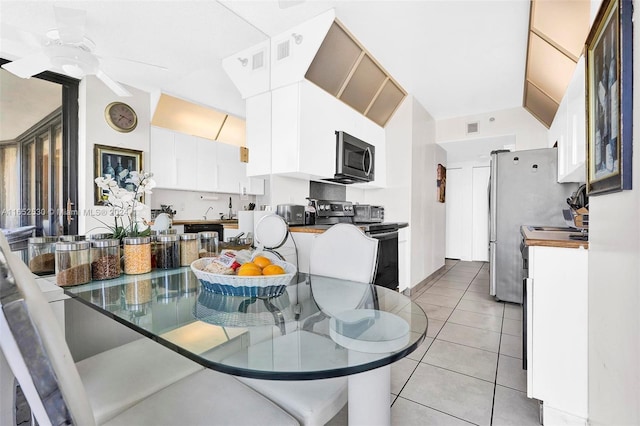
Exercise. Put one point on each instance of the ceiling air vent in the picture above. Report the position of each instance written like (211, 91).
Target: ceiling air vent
(257, 61)
(472, 128)
(284, 50)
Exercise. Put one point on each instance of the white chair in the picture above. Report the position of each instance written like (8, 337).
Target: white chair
(343, 251)
(37, 354)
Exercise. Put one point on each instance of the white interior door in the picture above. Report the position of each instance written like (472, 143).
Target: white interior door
(480, 213)
(454, 203)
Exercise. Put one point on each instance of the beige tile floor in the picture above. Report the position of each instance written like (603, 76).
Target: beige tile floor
(469, 368)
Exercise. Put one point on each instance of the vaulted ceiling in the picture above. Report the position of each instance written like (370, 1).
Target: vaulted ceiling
(455, 57)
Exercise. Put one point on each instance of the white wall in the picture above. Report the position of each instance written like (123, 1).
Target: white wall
(513, 126)
(528, 131)
(93, 129)
(614, 292)
(190, 205)
(427, 214)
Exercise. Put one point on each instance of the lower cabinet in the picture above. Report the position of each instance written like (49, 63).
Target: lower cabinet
(557, 346)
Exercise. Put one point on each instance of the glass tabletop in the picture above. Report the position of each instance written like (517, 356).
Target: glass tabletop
(319, 327)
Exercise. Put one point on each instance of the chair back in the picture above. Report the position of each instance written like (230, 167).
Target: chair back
(35, 348)
(344, 251)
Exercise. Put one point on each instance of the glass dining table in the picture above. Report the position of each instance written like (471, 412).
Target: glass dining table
(318, 328)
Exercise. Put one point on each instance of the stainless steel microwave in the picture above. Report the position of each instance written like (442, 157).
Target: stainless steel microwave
(355, 159)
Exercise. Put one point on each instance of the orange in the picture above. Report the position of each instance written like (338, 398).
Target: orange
(249, 269)
(261, 261)
(273, 270)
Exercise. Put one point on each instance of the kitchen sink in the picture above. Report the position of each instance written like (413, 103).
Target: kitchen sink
(553, 228)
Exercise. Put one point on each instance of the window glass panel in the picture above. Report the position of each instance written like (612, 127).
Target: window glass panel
(9, 196)
(28, 181)
(58, 199)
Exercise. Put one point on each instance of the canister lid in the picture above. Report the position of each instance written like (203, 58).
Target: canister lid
(69, 238)
(137, 240)
(104, 236)
(41, 240)
(191, 236)
(110, 242)
(167, 238)
(72, 245)
(208, 234)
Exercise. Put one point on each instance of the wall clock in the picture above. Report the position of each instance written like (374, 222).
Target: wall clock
(121, 117)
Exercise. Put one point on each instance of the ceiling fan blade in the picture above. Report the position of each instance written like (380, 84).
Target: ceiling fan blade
(71, 24)
(116, 87)
(29, 65)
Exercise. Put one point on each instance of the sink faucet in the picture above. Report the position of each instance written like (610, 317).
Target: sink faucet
(205, 213)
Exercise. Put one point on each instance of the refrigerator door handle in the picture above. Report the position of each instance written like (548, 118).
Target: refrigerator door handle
(493, 199)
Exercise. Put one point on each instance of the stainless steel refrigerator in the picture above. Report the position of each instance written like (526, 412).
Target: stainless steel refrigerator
(523, 190)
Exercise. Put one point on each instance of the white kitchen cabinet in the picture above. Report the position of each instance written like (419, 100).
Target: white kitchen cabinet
(186, 153)
(557, 368)
(404, 262)
(231, 172)
(569, 129)
(304, 241)
(299, 124)
(181, 161)
(207, 165)
(162, 161)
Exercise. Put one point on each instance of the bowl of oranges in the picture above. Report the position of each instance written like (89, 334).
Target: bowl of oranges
(260, 277)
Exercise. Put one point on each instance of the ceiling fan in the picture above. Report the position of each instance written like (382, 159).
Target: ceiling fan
(66, 49)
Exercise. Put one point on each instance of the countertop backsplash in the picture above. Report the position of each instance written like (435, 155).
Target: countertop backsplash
(189, 204)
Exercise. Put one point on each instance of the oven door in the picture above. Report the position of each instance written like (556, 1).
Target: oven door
(387, 268)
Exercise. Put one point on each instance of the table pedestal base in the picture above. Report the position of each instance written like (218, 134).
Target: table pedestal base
(370, 397)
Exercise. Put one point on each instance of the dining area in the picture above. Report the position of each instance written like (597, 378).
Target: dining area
(297, 356)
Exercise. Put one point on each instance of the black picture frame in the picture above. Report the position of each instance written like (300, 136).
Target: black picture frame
(609, 98)
(106, 157)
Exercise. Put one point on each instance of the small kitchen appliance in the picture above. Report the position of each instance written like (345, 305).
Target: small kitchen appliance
(366, 213)
(355, 160)
(293, 214)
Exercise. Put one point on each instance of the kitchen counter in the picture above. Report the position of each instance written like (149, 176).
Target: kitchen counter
(226, 222)
(310, 229)
(551, 237)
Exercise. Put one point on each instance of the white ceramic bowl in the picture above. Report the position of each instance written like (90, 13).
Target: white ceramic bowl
(249, 286)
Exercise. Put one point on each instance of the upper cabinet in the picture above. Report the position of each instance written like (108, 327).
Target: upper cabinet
(291, 132)
(343, 68)
(181, 161)
(568, 129)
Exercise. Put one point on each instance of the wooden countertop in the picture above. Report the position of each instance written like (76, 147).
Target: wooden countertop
(551, 238)
(310, 229)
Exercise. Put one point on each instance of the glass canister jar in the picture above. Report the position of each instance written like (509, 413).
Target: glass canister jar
(188, 249)
(42, 258)
(208, 244)
(137, 255)
(105, 259)
(72, 263)
(167, 251)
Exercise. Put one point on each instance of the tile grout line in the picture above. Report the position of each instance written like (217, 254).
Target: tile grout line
(436, 335)
(495, 382)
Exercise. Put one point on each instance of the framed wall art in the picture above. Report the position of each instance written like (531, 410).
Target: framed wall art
(609, 91)
(441, 183)
(116, 163)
